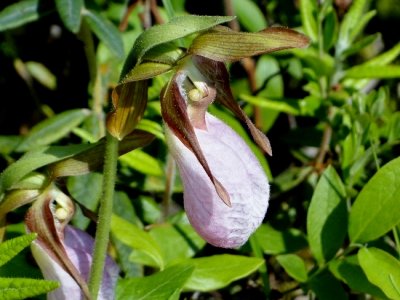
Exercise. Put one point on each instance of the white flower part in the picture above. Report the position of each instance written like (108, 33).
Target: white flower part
(233, 163)
(79, 247)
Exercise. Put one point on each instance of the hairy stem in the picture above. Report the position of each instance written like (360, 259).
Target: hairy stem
(105, 212)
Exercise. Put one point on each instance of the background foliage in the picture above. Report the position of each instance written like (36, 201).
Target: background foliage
(330, 111)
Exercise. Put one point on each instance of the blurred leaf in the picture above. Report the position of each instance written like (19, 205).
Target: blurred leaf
(381, 269)
(52, 129)
(217, 271)
(11, 248)
(249, 15)
(105, 31)
(308, 11)
(289, 106)
(330, 29)
(18, 14)
(142, 162)
(327, 216)
(349, 271)
(177, 28)
(23, 288)
(372, 214)
(361, 44)
(275, 242)
(42, 74)
(362, 71)
(152, 127)
(136, 238)
(294, 266)
(70, 13)
(162, 285)
(327, 287)
(8, 143)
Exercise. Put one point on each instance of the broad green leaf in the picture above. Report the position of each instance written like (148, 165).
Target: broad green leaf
(8, 143)
(349, 271)
(274, 242)
(359, 72)
(35, 159)
(381, 269)
(161, 285)
(42, 74)
(142, 162)
(294, 266)
(152, 127)
(327, 216)
(52, 129)
(11, 248)
(18, 14)
(374, 210)
(70, 13)
(249, 15)
(23, 288)
(177, 28)
(136, 238)
(308, 11)
(105, 31)
(282, 105)
(217, 271)
(327, 287)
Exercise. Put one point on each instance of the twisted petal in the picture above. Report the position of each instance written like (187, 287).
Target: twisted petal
(236, 167)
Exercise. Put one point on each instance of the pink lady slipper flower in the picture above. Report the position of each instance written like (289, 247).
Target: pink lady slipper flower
(63, 252)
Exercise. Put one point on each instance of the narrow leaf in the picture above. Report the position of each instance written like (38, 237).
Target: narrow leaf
(70, 13)
(24, 288)
(224, 44)
(18, 14)
(294, 266)
(308, 12)
(366, 71)
(11, 248)
(52, 129)
(381, 269)
(106, 31)
(161, 285)
(41, 74)
(142, 162)
(214, 272)
(327, 216)
(373, 213)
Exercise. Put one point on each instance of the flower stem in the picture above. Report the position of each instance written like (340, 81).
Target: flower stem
(105, 212)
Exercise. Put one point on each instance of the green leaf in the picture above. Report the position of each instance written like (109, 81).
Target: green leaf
(152, 127)
(162, 285)
(374, 210)
(349, 271)
(18, 14)
(23, 288)
(294, 266)
(52, 129)
(142, 162)
(327, 216)
(136, 238)
(289, 106)
(41, 74)
(381, 269)
(177, 28)
(359, 72)
(11, 248)
(70, 13)
(308, 11)
(105, 31)
(275, 242)
(327, 287)
(217, 271)
(249, 15)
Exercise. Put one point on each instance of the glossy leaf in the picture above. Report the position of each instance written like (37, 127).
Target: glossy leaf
(249, 15)
(70, 13)
(282, 105)
(162, 285)
(23, 288)
(136, 238)
(359, 72)
(381, 269)
(142, 162)
(18, 14)
(52, 129)
(105, 31)
(11, 248)
(214, 272)
(294, 266)
(327, 216)
(372, 214)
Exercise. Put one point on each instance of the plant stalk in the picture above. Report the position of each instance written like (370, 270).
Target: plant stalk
(105, 213)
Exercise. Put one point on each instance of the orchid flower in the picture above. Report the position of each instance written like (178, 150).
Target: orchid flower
(63, 252)
(214, 162)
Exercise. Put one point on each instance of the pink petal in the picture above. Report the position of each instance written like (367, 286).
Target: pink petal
(235, 166)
